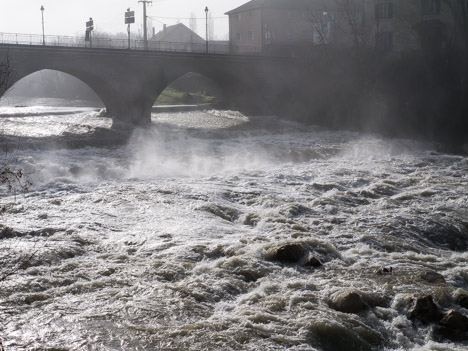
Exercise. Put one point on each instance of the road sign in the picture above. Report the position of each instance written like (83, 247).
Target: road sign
(90, 25)
(129, 17)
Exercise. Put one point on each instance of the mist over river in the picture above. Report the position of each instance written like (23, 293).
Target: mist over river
(212, 230)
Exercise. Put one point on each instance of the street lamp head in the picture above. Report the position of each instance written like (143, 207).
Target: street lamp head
(206, 10)
(42, 8)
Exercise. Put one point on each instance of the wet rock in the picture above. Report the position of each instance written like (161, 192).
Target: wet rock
(7, 233)
(226, 213)
(425, 310)
(333, 336)
(461, 298)
(348, 301)
(251, 219)
(311, 261)
(384, 271)
(453, 326)
(290, 253)
(35, 297)
(295, 210)
(454, 320)
(249, 275)
(432, 277)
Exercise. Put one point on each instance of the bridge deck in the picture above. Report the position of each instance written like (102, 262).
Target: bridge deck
(123, 44)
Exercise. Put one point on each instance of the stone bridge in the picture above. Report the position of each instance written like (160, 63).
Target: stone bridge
(129, 81)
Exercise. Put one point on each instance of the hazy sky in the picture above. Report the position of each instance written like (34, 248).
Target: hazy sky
(68, 17)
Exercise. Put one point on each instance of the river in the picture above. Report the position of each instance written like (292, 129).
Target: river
(170, 238)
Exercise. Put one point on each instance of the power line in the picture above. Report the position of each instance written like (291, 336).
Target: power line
(188, 18)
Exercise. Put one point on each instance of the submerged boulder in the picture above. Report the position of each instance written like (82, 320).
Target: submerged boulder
(311, 261)
(425, 310)
(348, 301)
(454, 320)
(453, 326)
(432, 277)
(461, 298)
(289, 253)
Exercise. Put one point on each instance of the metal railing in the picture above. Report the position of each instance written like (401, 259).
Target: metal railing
(135, 44)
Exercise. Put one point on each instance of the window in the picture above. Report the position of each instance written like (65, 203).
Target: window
(251, 36)
(322, 33)
(430, 7)
(384, 11)
(384, 41)
(238, 37)
(239, 16)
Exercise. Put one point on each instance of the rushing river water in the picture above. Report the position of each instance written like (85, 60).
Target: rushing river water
(168, 240)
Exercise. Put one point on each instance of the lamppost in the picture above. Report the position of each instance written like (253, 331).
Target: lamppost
(206, 30)
(43, 35)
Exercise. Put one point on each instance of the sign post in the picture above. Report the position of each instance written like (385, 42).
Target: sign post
(89, 29)
(129, 19)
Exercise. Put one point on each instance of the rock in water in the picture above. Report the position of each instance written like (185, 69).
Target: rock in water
(453, 326)
(290, 253)
(454, 320)
(425, 310)
(432, 277)
(348, 301)
(461, 298)
(311, 261)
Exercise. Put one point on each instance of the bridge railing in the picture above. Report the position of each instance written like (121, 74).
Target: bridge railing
(135, 44)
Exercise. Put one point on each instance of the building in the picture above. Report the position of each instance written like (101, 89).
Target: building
(404, 25)
(296, 26)
(388, 25)
(181, 38)
(177, 38)
(271, 25)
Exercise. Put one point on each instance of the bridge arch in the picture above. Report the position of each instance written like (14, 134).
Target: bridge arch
(97, 85)
(52, 83)
(190, 88)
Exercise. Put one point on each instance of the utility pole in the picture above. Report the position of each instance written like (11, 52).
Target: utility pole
(145, 29)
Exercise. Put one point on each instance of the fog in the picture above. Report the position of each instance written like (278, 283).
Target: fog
(306, 188)
(25, 16)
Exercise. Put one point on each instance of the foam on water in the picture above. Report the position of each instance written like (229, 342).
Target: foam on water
(166, 242)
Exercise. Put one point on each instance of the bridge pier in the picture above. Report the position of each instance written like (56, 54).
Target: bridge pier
(130, 111)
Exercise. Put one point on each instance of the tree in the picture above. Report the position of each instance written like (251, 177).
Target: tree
(193, 22)
(10, 178)
(6, 75)
(459, 10)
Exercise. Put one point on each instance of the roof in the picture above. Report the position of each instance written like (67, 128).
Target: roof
(277, 4)
(178, 33)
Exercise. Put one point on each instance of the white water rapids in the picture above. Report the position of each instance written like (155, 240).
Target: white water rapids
(164, 241)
